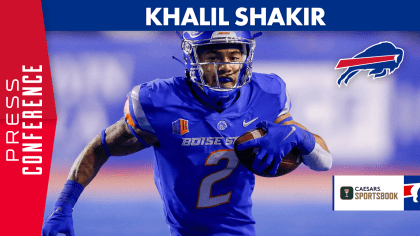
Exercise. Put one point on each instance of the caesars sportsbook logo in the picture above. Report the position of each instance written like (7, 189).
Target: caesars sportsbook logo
(366, 193)
(376, 193)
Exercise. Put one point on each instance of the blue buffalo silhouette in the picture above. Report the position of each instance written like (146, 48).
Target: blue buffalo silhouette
(376, 69)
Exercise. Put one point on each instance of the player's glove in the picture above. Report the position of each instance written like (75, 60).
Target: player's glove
(61, 221)
(278, 141)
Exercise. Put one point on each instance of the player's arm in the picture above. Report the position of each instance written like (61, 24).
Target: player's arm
(117, 140)
(318, 158)
(120, 139)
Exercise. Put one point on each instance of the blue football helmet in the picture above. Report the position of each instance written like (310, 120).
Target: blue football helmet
(191, 43)
(192, 40)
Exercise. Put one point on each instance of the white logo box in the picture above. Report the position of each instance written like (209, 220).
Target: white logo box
(394, 185)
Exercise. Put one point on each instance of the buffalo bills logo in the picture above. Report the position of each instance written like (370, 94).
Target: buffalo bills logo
(380, 59)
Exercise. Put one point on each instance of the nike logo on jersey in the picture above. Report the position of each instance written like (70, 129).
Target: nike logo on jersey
(245, 124)
(291, 132)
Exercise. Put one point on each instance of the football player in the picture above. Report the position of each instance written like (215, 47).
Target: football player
(192, 122)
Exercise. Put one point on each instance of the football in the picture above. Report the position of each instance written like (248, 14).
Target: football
(289, 163)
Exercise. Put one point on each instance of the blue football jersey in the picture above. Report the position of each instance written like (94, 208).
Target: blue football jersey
(204, 188)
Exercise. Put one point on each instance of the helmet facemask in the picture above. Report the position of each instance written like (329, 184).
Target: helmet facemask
(193, 48)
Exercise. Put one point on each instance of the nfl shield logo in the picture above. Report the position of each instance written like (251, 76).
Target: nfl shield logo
(180, 127)
(411, 192)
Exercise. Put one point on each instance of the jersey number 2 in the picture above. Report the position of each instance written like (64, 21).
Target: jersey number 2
(205, 198)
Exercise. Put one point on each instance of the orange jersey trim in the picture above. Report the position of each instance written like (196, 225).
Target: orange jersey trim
(127, 115)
